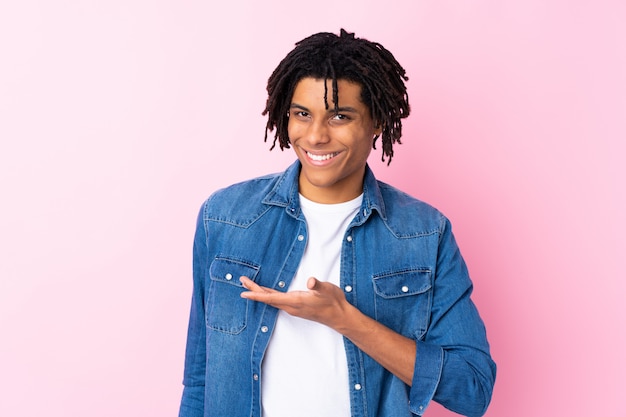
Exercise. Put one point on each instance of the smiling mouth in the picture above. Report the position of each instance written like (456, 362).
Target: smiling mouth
(320, 158)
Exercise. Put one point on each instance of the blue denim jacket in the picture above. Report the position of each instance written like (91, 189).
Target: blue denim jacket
(399, 265)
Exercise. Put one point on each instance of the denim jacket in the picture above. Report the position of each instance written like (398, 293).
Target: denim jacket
(399, 265)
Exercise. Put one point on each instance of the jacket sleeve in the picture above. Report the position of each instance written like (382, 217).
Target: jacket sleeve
(192, 404)
(453, 365)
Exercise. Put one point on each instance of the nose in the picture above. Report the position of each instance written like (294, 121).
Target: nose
(317, 132)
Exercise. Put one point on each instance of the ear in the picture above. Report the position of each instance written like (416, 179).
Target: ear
(378, 129)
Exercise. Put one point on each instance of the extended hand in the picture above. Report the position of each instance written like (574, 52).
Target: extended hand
(323, 302)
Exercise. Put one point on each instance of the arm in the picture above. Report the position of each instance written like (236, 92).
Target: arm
(453, 363)
(325, 303)
(192, 404)
(459, 377)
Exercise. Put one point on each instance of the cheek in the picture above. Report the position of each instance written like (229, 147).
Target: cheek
(292, 131)
(365, 148)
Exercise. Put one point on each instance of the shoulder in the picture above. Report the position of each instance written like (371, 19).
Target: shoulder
(241, 202)
(408, 216)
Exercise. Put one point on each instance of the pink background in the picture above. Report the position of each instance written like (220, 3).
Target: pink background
(118, 117)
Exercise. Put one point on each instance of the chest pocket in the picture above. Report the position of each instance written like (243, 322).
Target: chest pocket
(226, 311)
(403, 300)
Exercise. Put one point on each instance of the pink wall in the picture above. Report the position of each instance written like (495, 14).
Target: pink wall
(118, 117)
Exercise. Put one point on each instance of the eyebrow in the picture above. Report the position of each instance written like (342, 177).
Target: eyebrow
(341, 109)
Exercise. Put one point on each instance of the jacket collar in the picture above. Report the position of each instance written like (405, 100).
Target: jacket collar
(285, 193)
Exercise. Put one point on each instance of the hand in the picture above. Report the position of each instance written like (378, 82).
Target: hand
(323, 302)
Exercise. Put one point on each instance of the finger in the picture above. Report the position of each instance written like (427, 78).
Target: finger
(250, 285)
(246, 282)
(262, 295)
(313, 284)
(253, 288)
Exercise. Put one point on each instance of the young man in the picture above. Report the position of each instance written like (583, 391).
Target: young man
(321, 291)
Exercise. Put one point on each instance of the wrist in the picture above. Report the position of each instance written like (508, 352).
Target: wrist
(350, 321)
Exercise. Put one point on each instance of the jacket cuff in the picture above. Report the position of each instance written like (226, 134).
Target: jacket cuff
(192, 404)
(426, 376)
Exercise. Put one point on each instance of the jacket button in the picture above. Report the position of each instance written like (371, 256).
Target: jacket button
(281, 284)
(255, 377)
(229, 276)
(264, 329)
(349, 238)
(348, 288)
(300, 238)
(405, 289)
(357, 387)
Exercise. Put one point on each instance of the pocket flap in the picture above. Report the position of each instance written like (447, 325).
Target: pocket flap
(402, 283)
(229, 270)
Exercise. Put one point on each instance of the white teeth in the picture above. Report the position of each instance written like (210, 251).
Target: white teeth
(321, 157)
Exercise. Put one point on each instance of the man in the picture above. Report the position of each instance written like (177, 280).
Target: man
(321, 291)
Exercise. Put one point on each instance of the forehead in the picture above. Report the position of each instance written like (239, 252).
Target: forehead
(320, 90)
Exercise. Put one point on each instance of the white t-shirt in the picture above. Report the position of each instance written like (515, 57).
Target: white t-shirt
(305, 370)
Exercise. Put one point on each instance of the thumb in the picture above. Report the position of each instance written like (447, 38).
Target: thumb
(313, 283)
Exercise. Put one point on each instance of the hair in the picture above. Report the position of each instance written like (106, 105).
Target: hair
(328, 56)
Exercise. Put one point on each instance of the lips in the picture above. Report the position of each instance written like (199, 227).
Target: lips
(321, 158)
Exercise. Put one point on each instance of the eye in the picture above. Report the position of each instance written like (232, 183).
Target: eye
(301, 114)
(338, 119)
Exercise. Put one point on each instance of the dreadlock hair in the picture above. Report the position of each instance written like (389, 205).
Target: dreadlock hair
(328, 56)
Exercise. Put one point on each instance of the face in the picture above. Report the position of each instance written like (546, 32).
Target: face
(332, 147)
